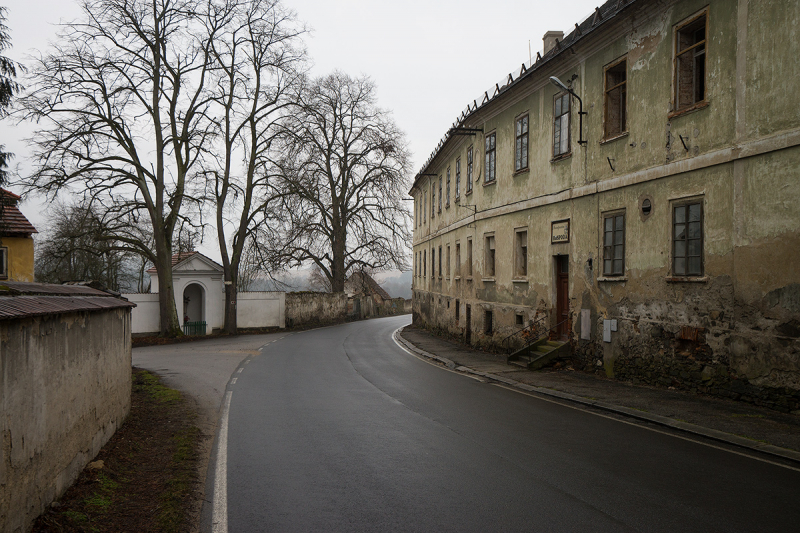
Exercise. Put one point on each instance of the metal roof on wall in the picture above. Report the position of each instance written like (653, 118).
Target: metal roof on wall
(21, 300)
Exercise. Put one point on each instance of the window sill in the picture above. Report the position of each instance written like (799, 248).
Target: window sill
(525, 170)
(488, 280)
(687, 279)
(614, 138)
(468, 192)
(487, 183)
(468, 278)
(457, 278)
(519, 280)
(691, 109)
(561, 157)
(613, 278)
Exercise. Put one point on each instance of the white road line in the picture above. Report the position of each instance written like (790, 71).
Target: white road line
(233, 381)
(239, 371)
(219, 516)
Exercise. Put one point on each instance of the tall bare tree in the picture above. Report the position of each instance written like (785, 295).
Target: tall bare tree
(345, 168)
(257, 61)
(122, 103)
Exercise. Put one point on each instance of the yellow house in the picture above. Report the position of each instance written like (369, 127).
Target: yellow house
(16, 241)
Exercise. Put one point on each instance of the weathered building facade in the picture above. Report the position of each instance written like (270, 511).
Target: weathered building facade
(658, 231)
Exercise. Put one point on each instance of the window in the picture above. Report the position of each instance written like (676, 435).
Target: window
(440, 194)
(616, 99)
(614, 245)
(521, 253)
(424, 263)
(433, 200)
(469, 170)
(519, 319)
(458, 259)
(458, 178)
(490, 158)
(469, 257)
(489, 256)
(447, 203)
(561, 124)
(687, 239)
(690, 63)
(487, 322)
(441, 260)
(521, 144)
(433, 263)
(425, 207)
(3, 262)
(447, 270)
(458, 310)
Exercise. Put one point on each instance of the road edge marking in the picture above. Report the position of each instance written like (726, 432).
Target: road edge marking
(219, 515)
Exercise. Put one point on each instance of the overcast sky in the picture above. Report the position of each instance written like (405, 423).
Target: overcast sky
(429, 58)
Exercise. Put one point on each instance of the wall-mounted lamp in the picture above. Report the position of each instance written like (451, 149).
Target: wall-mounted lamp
(560, 84)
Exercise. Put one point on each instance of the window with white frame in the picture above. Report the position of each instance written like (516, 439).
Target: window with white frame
(521, 143)
(614, 244)
(458, 178)
(470, 167)
(561, 124)
(490, 158)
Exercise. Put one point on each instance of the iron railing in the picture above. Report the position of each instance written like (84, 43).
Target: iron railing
(194, 328)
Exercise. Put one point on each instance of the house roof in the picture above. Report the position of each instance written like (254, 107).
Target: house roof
(13, 222)
(182, 257)
(600, 17)
(363, 282)
(18, 299)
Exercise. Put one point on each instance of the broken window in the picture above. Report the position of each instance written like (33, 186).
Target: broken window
(614, 245)
(490, 158)
(458, 177)
(690, 63)
(489, 256)
(519, 320)
(521, 144)
(561, 124)
(469, 170)
(687, 239)
(616, 99)
(521, 254)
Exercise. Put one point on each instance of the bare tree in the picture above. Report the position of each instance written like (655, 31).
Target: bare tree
(345, 169)
(75, 247)
(122, 102)
(257, 58)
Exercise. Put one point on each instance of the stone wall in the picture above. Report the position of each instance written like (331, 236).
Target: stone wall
(64, 390)
(304, 308)
(260, 310)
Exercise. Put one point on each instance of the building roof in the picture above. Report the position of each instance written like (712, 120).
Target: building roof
(13, 222)
(19, 299)
(363, 282)
(179, 258)
(601, 15)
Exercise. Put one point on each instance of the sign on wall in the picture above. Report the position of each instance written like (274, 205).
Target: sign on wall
(559, 231)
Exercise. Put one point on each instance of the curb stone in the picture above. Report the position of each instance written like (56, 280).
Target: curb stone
(684, 427)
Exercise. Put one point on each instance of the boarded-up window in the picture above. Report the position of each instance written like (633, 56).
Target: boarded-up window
(614, 245)
(521, 252)
(616, 99)
(561, 124)
(687, 239)
(690, 63)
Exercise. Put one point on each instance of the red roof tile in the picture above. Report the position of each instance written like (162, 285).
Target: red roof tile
(13, 222)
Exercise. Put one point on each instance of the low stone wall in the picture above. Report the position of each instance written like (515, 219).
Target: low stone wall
(303, 308)
(65, 389)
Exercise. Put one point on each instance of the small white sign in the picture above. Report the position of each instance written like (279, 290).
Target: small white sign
(559, 232)
(606, 331)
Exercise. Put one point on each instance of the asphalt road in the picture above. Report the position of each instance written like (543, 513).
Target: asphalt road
(338, 429)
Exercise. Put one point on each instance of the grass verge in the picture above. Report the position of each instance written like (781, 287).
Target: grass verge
(144, 479)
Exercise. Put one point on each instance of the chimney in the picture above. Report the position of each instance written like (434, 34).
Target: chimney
(550, 40)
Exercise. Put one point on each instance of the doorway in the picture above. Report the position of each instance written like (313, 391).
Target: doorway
(193, 303)
(562, 296)
(468, 318)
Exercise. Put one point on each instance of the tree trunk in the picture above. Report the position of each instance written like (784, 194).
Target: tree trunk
(231, 298)
(337, 266)
(170, 326)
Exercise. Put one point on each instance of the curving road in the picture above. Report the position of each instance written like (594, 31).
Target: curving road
(339, 429)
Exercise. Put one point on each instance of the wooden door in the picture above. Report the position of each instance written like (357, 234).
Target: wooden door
(562, 295)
